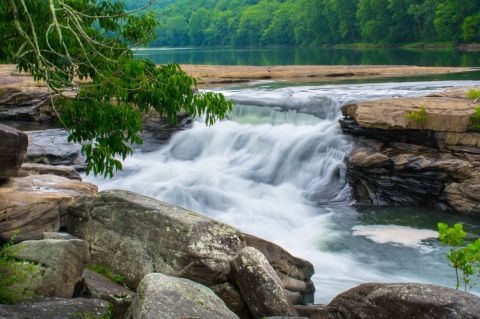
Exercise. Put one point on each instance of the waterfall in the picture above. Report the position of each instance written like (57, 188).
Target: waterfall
(275, 168)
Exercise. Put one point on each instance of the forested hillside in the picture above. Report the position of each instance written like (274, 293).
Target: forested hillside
(315, 22)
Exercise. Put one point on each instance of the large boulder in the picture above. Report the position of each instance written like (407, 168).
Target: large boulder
(154, 237)
(56, 308)
(96, 286)
(59, 266)
(13, 147)
(32, 205)
(403, 301)
(260, 285)
(161, 296)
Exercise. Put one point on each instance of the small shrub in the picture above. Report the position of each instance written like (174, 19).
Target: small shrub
(474, 94)
(463, 258)
(109, 274)
(419, 116)
(475, 120)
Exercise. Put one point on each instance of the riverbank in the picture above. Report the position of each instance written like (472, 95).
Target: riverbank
(216, 75)
(219, 75)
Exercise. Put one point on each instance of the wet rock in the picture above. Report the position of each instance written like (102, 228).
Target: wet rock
(13, 147)
(56, 308)
(42, 169)
(161, 296)
(31, 105)
(36, 204)
(60, 265)
(52, 235)
(154, 237)
(158, 130)
(403, 301)
(99, 287)
(51, 147)
(260, 285)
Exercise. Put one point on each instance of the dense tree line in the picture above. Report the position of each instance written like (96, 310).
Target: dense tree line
(315, 22)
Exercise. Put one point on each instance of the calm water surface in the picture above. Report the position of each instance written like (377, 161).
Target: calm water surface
(313, 56)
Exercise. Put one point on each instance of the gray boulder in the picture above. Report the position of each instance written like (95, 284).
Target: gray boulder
(161, 296)
(99, 287)
(28, 104)
(154, 237)
(51, 147)
(36, 204)
(260, 285)
(56, 308)
(13, 147)
(403, 301)
(58, 267)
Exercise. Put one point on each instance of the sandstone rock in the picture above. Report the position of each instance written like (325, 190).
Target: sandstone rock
(42, 169)
(13, 147)
(33, 205)
(51, 147)
(28, 104)
(444, 114)
(464, 197)
(161, 296)
(56, 308)
(60, 262)
(154, 237)
(403, 301)
(260, 285)
(98, 287)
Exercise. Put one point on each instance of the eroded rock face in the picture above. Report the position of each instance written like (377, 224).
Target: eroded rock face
(42, 169)
(31, 105)
(98, 287)
(56, 308)
(154, 237)
(403, 301)
(261, 287)
(399, 161)
(36, 204)
(13, 147)
(161, 296)
(60, 264)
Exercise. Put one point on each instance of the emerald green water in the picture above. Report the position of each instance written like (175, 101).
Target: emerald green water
(311, 56)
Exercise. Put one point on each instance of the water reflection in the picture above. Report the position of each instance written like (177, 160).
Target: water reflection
(312, 56)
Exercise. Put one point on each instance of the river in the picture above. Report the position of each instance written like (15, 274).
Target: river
(275, 169)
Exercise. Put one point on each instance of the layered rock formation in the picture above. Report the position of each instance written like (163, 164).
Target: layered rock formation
(13, 148)
(401, 161)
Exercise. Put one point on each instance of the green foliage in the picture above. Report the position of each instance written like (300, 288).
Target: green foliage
(62, 41)
(15, 276)
(314, 22)
(419, 116)
(109, 274)
(474, 94)
(475, 120)
(463, 258)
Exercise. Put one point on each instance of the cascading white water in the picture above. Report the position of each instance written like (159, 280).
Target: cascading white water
(275, 169)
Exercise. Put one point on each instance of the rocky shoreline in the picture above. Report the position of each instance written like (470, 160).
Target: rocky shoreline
(80, 253)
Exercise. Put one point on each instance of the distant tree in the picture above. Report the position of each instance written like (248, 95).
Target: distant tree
(80, 48)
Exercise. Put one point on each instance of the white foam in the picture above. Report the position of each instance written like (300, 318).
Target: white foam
(393, 234)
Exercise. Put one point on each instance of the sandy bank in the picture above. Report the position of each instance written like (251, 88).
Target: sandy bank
(217, 75)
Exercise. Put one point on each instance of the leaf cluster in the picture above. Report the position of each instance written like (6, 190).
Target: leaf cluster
(81, 49)
(463, 258)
